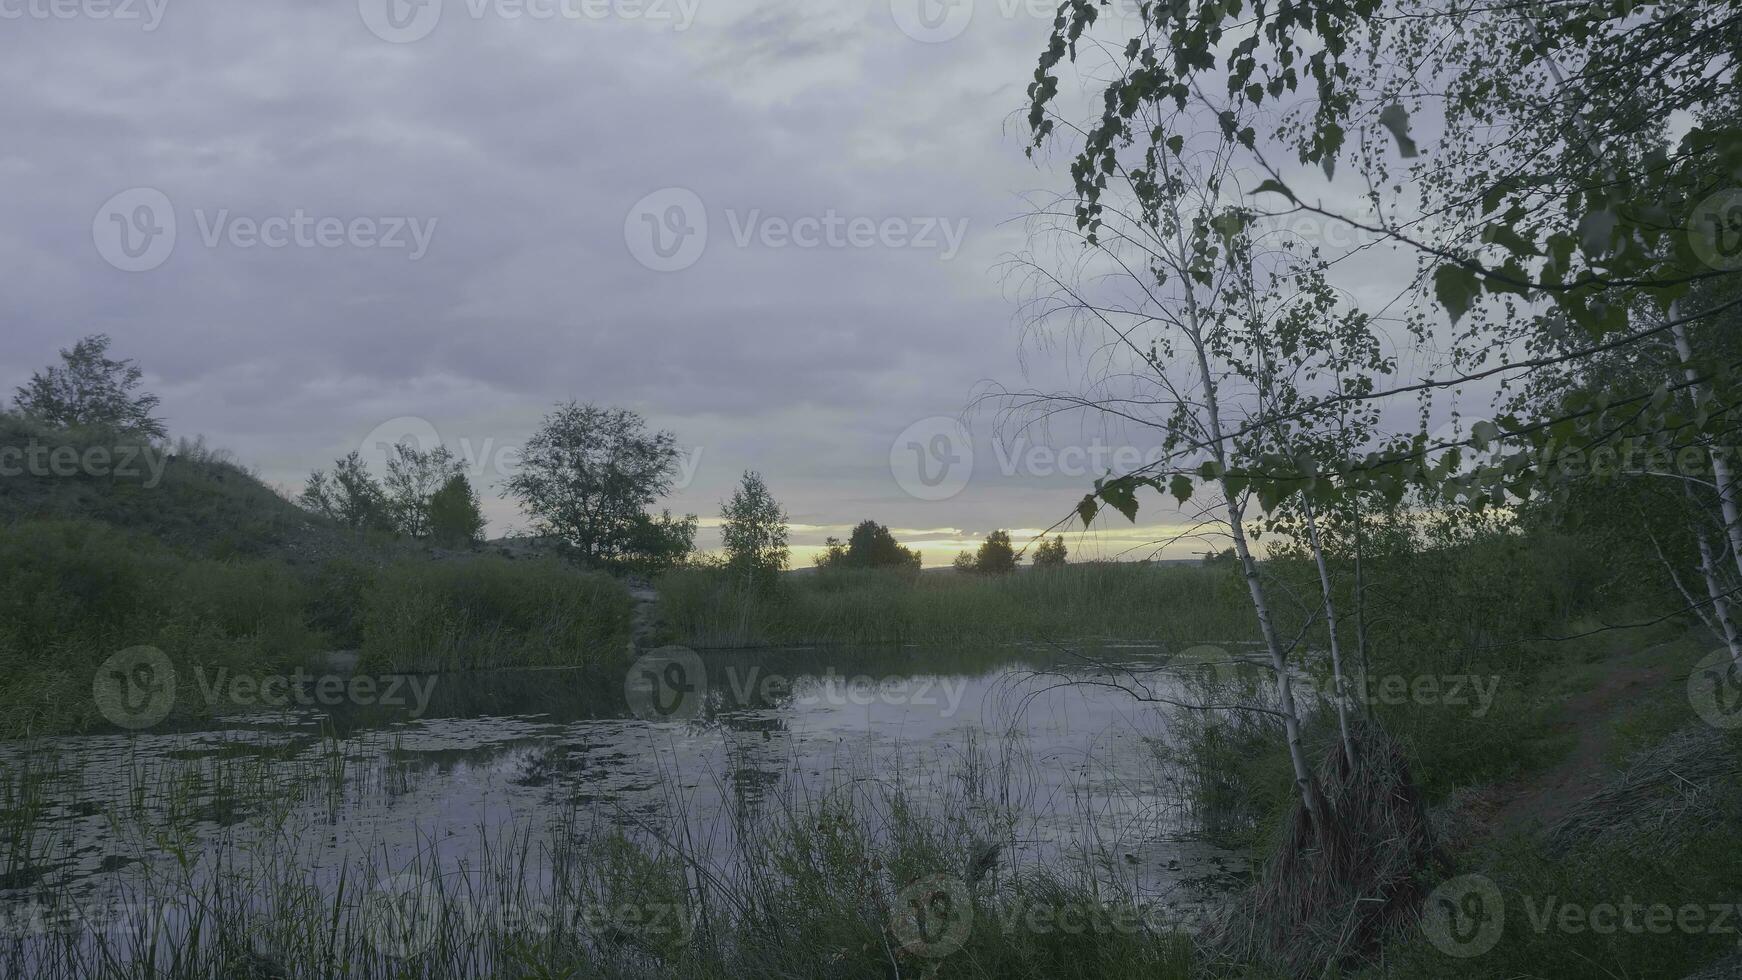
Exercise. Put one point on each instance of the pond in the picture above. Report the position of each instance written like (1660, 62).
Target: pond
(1047, 757)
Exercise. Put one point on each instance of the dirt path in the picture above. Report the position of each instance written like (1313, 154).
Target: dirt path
(1589, 716)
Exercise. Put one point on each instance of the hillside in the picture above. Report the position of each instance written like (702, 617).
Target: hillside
(109, 544)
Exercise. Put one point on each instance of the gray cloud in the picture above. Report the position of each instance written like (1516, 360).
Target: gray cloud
(525, 144)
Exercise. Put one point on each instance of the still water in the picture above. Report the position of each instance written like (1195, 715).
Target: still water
(1048, 754)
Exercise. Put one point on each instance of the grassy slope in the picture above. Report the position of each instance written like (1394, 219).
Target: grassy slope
(216, 569)
(1602, 709)
(1499, 784)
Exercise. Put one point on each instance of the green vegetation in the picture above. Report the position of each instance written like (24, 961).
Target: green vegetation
(870, 546)
(586, 478)
(110, 540)
(1182, 604)
(91, 389)
(1515, 785)
(753, 531)
(995, 555)
(491, 612)
(425, 495)
(72, 593)
(831, 885)
(1051, 552)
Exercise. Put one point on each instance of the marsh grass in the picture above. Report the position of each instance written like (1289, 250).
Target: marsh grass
(1119, 602)
(827, 884)
(72, 593)
(486, 611)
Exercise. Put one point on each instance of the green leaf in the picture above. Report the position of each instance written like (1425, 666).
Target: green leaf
(1276, 186)
(1483, 434)
(1396, 118)
(1118, 494)
(1087, 510)
(1597, 230)
(1508, 238)
(1181, 488)
(1455, 287)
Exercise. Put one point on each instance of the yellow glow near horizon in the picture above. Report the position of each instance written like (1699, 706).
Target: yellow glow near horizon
(938, 547)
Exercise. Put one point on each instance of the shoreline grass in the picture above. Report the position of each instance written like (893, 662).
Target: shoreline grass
(706, 608)
(850, 881)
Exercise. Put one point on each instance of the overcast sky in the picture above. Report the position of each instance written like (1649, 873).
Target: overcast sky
(774, 228)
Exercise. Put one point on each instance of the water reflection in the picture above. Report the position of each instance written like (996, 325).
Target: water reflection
(1000, 738)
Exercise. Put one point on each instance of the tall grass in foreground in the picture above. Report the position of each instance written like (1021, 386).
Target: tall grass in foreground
(852, 882)
(1103, 601)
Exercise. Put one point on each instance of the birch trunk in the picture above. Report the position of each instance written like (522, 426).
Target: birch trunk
(1722, 475)
(1337, 681)
(1303, 777)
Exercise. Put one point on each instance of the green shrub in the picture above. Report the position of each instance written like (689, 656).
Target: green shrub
(337, 598)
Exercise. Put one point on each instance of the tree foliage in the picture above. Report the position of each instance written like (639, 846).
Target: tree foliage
(452, 513)
(995, 555)
(348, 496)
(587, 477)
(89, 388)
(753, 529)
(1050, 553)
(871, 545)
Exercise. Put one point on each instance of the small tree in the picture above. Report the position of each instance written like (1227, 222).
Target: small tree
(964, 562)
(587, 476)
(754, 529)
(996, 556)
(348, 496)
(414, 477)
(1050, 554)
(655, 543)
(834, 554)
(871, 545)
(90, 388)
(454, 516)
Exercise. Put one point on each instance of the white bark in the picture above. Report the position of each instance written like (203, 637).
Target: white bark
(1338, 683)
(1304, 781)
(1722, 476)
(1720, 601)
